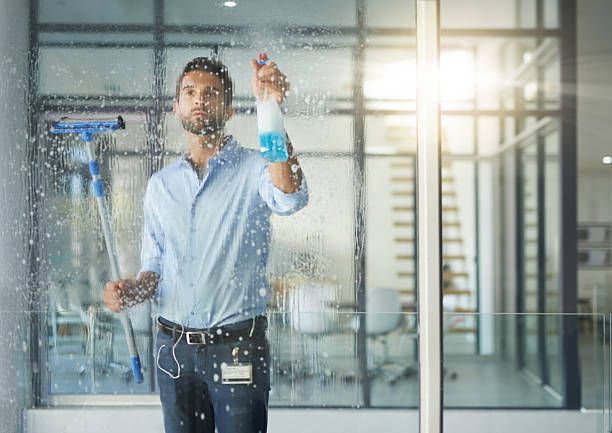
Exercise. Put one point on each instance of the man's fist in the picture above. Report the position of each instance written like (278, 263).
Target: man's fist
(268, 78)
(117, 293)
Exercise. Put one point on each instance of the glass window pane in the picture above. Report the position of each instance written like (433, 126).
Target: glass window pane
(261, 13)
(488, 14)
(530, 256)
(104, 72)
(331, 69)
(458, 135)
(390, 78)
(551, 13)
(92, 11)
(488, 136)
(308, 134)
(390, 134)
(93, 38)
(552, 288)
(390, 13)
(88, 353)
(391, 229)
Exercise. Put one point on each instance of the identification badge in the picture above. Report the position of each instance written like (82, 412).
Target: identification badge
(237, 374)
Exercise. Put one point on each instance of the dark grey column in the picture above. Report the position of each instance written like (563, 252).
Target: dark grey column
(568, 208)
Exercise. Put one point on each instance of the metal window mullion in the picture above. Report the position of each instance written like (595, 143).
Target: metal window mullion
(520, 255)
(38, 353)
(541, 215)
(429, 259)
(359, 265)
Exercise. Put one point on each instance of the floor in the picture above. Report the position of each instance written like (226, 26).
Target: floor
(322, 372)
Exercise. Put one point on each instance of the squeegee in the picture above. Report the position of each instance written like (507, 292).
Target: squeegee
(87, 129)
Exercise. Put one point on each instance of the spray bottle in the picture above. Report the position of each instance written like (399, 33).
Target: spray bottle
(272, 140)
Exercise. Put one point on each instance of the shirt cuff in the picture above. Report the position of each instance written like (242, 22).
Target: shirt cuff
(292, 200)
(149, 266)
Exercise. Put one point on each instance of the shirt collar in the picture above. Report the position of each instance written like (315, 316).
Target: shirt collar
(227, 153)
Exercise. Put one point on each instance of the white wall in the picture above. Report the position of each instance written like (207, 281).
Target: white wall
(13, 61)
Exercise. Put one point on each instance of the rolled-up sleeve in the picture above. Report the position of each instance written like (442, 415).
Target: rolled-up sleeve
(280, 202)
(152, 235)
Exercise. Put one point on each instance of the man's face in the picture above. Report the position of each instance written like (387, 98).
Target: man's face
(201, 107)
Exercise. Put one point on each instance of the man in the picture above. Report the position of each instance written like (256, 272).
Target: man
(204, 252)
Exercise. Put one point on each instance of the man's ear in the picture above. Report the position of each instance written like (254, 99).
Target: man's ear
(229, 112)
(175, 106)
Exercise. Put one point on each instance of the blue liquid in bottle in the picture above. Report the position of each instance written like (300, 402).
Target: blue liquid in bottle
(273, 146)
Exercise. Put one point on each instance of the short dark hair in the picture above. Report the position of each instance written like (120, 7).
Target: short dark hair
(211, 66)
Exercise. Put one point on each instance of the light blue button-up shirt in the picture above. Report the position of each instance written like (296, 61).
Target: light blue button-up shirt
(209, 240)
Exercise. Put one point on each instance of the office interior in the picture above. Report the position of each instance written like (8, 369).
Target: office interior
(526, 207)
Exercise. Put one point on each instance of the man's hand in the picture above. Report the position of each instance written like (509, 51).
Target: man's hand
(117, 294)
(268, 78)
(127, 293)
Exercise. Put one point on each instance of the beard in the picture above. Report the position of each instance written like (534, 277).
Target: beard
(204, 125)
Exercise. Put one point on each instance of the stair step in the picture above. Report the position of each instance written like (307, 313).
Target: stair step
(406, 274)
(535, 293)
(411, 193)
(411, 224)
(465, 310)
(449, 292)
(444, 258)
(404, 240)
(532, 275)
(457, 292)
(410, 164)
(461, 330)
(411, 209)
(410, 179)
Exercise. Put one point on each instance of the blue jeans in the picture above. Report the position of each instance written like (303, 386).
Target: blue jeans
(197, 402)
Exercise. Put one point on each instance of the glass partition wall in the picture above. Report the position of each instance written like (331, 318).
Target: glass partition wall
(352, 252)
(342, 85)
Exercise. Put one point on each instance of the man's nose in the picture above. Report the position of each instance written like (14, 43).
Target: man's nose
(201, 101)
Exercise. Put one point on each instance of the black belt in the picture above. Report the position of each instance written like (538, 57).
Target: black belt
(239, 331)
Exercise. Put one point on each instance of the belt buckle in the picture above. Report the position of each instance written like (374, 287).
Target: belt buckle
(191, 334)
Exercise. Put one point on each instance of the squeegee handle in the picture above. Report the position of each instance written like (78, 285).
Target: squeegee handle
(98, 189)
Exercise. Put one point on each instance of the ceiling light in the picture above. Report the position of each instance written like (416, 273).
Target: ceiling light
(230, 4)
(607, 159)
